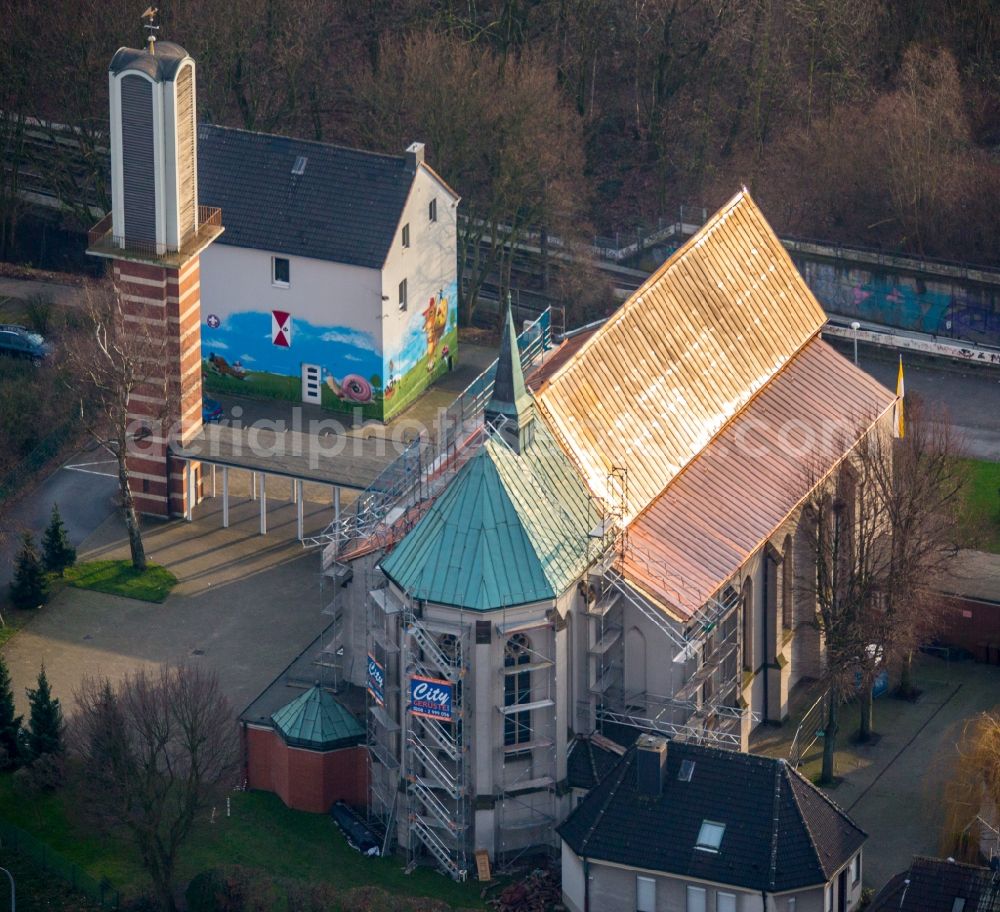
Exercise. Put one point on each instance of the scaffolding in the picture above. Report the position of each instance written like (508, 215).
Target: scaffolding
(383, 688)
(438, 796)
(705, 706)
(426, 466)
(422, 783)
(526, 798)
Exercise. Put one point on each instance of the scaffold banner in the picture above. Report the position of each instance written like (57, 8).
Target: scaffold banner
(376, 680)
(431, 698)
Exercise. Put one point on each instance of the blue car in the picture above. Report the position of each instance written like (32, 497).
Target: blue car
(22, 343)
(211, 411)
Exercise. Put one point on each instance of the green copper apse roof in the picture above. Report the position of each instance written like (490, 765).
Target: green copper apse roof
(316, 720)
(509, 529)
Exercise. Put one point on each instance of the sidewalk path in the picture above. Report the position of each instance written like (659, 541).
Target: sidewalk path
(63, 295)
(894, 787)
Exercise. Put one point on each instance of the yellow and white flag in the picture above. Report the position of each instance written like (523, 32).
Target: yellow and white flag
(898, 427)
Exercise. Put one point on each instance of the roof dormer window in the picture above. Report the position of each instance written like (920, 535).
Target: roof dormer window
(710, 836)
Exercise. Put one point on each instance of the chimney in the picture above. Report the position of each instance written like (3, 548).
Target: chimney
(414, 155)
(650, 764)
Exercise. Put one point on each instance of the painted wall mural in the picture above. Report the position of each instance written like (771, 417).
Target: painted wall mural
(262, 353)
(427, 349)
(955, 309)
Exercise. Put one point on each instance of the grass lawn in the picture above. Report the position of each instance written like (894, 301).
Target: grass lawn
(6, 632)
(982, 503)
(261, 833)
(117, 577)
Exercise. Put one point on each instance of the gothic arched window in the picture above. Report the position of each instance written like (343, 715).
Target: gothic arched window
(517, 690)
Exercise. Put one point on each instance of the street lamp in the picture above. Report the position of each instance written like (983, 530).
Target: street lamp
(855, 326)
(13, 898)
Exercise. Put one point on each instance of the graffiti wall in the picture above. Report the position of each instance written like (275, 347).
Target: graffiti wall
(954, 309)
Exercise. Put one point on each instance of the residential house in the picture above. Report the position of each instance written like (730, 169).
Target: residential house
(940, 885)
(335, 280)
(681, 826)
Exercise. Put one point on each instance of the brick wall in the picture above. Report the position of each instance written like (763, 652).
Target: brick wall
(974, 625)
(165, 302)
(305, 780)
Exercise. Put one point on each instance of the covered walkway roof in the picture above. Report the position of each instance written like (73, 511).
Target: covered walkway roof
(345, 461)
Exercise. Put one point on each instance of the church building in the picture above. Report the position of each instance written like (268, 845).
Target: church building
(613, 547)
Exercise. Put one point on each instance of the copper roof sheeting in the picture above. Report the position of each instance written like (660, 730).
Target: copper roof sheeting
(732, 496)
(682, 356)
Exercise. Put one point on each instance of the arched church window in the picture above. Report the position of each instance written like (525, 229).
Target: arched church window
(517, 690)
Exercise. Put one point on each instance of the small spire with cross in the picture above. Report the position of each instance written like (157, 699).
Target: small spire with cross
(150, 25)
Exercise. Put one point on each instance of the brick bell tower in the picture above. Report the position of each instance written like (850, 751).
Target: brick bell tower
(154, 235)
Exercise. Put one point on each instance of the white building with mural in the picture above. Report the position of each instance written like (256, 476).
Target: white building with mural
(335, 282)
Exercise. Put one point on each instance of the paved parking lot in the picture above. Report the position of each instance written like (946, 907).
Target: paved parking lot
(893, 787)
(246, 605)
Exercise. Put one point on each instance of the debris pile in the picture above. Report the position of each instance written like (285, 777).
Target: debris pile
(538, 892)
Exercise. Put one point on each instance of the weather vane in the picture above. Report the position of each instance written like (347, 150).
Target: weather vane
(149, 24)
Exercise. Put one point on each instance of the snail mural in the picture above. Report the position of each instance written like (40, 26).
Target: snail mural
(353, 388)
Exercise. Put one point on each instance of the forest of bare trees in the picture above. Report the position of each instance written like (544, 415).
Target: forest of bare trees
(873, 122)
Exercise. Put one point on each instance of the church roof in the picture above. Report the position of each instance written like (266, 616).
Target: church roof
(682, 356)
(509, 529)
(317, 721)
(738, 490)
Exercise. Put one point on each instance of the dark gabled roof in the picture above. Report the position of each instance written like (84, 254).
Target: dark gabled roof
(781, 832)
(345, 206)
(935, 883)
(590, 759)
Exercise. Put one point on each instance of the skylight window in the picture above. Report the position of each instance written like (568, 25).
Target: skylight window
(300, 165)
(958, 905)
(686, 771)
(710, 836)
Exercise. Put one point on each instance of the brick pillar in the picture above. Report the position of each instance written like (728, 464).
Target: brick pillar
(166, 300)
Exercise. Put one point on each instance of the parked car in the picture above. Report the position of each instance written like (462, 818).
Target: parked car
(19, 342)
(211, 411)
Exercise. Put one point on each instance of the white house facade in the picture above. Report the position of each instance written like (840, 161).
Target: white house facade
(337, 282)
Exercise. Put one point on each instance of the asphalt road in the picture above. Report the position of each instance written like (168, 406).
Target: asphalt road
(970, 397)
(84, 488)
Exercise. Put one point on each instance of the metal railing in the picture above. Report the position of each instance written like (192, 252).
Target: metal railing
(21, 841)
(425, 466)
(101, 235)
(809, 731)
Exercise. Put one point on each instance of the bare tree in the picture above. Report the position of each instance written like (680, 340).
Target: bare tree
(497, 128)
(111, 361)
(882, 537)
(154, 750)
(925, 134)
(843, 583)
(916, 485)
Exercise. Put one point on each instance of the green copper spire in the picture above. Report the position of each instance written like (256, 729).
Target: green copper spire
(510, 397)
